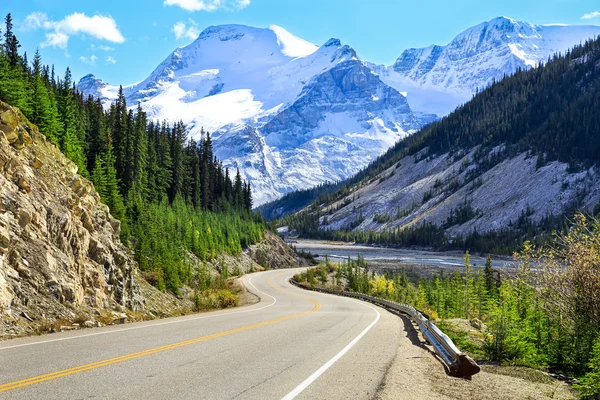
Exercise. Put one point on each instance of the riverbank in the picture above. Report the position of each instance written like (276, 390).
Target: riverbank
(421, 262)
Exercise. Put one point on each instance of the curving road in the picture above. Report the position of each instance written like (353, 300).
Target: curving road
(292, 344)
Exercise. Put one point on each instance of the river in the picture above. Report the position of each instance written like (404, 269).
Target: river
(391, 257)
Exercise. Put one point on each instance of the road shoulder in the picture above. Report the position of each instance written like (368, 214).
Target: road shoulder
(416, 373)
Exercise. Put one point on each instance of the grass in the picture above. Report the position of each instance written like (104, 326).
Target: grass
(467, 342)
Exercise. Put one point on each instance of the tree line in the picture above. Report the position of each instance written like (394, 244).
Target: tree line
(170, 193)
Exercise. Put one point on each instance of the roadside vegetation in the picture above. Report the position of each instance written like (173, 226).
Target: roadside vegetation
(545, 314)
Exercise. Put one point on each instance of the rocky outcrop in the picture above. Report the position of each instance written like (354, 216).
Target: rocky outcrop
(60, 254)
(273, 253)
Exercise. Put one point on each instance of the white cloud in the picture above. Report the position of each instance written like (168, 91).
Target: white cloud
(99, 27)
(56, 39)
(208, 5)
(91, 60)
(93, 47)
(111, 60)
(591, 15)
(190, 31)
(35, 20)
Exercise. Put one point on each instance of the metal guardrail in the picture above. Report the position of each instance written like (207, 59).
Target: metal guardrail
(459, 364)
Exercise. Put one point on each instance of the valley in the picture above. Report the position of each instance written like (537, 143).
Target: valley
(259, 216)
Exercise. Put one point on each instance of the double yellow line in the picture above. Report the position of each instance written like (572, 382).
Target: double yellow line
(75, 370)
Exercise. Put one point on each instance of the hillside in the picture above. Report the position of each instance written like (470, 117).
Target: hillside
(520, 156)
(95, 206)
(61, 259)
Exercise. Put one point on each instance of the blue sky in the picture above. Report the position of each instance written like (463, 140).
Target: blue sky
(122, 41)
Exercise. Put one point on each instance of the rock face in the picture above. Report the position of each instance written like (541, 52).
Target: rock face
(430, 189)
(342, 119)
(60, 252)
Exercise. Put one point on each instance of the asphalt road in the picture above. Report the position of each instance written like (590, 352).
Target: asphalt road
(292, 344)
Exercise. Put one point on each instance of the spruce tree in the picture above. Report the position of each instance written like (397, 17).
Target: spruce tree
(41, 114)
(68, 141)
(140, 153)
(11, 44)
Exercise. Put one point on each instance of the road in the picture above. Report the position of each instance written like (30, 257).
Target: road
(292, 344)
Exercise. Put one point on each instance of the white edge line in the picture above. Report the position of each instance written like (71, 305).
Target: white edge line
(150, 325)
(308, 381)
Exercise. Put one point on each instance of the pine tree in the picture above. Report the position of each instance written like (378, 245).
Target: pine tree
(13, 84)
(165, 162)
(11, 44)
(106, 183)
(140, 153)
(238, 196)
(41, 114)
(490, 284)
(118, 116)
(178, 167)
(68, 141)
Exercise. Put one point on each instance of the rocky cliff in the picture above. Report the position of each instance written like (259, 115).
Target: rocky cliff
(60, 254)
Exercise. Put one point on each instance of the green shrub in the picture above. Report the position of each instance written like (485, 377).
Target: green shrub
(590, 384)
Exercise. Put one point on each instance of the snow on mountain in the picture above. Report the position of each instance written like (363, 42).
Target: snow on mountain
(90, 85)
(439, 78)
(292, 115)
(342, 119)
(289, 114)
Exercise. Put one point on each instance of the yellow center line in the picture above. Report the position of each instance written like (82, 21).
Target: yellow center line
(316, 303)
(115, 360)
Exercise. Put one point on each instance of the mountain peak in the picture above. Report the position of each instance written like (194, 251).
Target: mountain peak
(289, 44)
(333, 42)
(90, 80)
(503, 19)
(226, 32)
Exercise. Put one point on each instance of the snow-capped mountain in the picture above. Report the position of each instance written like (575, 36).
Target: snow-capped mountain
(289, 114)
(90, 85)
(438, 78)
(292, 115)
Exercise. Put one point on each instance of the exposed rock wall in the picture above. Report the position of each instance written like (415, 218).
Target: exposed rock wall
(421, 189)
(60, 252)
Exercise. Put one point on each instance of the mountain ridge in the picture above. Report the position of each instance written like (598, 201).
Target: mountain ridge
(241, 79)
(507, 166)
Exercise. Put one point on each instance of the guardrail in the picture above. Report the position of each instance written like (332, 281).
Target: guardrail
(459, 364)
